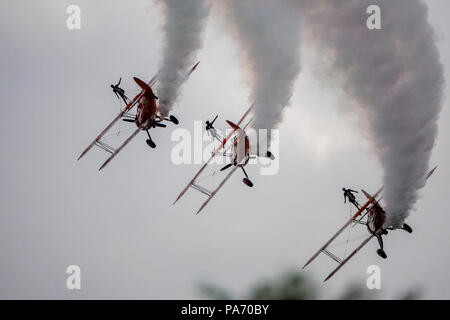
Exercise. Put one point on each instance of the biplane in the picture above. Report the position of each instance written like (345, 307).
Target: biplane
(373, 217)
(147, 116)
(238, 157)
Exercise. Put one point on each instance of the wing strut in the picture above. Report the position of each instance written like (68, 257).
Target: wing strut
(341, 264)
(113, 154)
(217, 189)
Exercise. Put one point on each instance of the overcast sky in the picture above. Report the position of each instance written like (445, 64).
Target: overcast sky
(119, 225)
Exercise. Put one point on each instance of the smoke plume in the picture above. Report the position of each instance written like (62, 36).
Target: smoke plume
(269, 36)
(183, 26)
(395, 76)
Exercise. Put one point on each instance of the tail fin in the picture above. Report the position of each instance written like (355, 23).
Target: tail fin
(235, 127)
(143, 85)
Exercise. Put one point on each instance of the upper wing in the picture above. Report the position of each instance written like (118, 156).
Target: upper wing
(248, 123)
(220, 147)
(323, 248)
(190, 71)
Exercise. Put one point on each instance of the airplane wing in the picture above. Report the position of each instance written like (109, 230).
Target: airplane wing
(127, 108)
(248, 123)
(154, 79)
(341, 263)
(324, 247)
(220, 147)
(116, 151)
(428, 175)
(217, 189)
(190, 71)
(109, 126)
(368, 196)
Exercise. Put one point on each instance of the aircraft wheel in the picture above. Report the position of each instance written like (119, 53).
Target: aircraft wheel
(150, 143)
(247, 182)
(174, 120)
(270, 155)
(381, 253)
(407, 228)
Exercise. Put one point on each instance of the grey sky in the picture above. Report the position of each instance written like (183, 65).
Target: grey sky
(120, 226)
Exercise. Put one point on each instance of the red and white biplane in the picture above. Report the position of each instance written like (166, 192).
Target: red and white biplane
(239, 156)
(147, 116)
(371, 215)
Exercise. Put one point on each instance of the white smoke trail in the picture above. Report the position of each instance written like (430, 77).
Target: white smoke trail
(269, 37)
(183, 26)
(395, 75)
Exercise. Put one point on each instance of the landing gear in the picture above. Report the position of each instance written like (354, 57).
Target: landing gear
(160, 125)
(381, 253)
(407, 228)
(270, 155)
(150, 142)
(246, 180)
